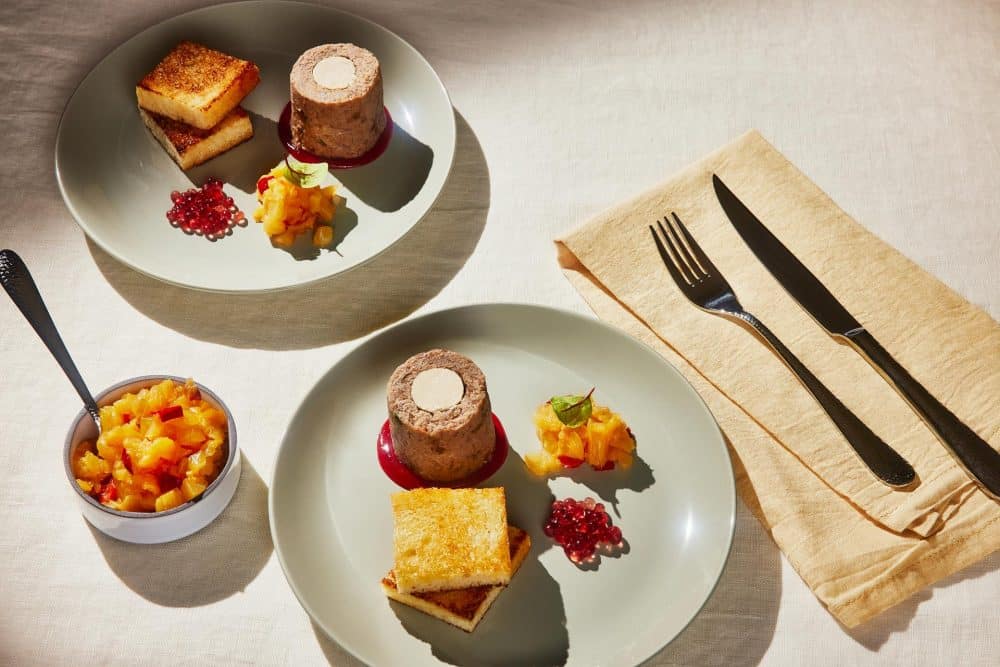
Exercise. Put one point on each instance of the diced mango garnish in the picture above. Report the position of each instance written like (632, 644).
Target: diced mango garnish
(169, 500)
(287, 210)
(603, 441)
(542, 463)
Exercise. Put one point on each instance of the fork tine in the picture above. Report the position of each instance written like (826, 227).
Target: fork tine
(668, 260)
(672, 240)
(703, 260)
(696, 269)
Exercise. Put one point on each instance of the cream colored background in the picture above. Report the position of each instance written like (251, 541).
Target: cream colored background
(893, 108)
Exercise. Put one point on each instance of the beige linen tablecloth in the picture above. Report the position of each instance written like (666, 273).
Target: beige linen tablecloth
(562, 109)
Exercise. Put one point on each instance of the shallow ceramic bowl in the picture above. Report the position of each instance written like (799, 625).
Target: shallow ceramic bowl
(154, 527)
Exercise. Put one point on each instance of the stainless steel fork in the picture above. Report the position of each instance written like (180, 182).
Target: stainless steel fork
(705, 287)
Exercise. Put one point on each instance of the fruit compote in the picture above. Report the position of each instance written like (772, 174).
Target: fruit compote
(206, 211)
(595, 435)
(580, 527)
(158, 448)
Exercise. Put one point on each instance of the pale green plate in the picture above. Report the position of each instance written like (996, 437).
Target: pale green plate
(116, 180)
(332, 524)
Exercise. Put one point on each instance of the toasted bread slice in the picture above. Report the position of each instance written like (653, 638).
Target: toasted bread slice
(196, 85)
(465, 607)
(189, 146)
(450, 538)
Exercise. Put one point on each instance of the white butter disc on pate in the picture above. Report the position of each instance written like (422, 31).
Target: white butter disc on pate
(334, 72)
(437, 389)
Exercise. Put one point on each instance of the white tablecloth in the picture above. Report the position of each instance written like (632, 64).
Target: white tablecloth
(892, 107)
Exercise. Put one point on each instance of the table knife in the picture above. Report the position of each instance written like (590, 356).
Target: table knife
(972, 452)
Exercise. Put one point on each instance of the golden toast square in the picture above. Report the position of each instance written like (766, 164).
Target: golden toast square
(445, 539)
(189, 146)
(464, 607)
(196, 85)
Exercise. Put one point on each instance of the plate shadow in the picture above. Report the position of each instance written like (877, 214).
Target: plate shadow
(526, 625)
(607, 484)
(736, 625)
(530, 611)
(343, 307)
(242, 164)
(406, 156)
(218, 561)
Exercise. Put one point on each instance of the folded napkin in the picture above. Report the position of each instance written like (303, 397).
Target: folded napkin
(860, 545)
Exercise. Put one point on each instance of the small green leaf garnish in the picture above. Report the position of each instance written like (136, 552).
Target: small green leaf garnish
(303, 174)
(572, 410)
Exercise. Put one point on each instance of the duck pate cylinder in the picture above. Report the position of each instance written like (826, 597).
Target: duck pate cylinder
(440, 416)
(337, 109)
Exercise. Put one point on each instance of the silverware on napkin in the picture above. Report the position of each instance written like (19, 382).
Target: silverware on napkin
(705, 287)
(972, 453)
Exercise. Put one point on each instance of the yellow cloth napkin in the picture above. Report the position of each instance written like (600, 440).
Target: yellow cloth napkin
(859, 545)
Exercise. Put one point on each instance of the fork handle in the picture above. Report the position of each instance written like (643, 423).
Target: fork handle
(972, 453)
(884, 461)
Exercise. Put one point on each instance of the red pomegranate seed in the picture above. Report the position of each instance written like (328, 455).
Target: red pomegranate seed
(580, 527)
(206, 211)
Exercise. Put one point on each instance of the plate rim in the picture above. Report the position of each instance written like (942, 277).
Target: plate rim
(89, 234)
(590, 320)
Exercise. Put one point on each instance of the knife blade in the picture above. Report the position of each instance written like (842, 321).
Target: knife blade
(797, 280)
(969, 450)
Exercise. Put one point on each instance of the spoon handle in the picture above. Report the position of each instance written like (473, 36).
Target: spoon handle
(17, 280)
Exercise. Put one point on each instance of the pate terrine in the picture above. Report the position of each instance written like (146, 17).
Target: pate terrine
(337, 109)
(440, 416)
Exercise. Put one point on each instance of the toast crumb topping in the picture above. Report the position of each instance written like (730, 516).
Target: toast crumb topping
(445, 539)
(196, 85)
(192, 69)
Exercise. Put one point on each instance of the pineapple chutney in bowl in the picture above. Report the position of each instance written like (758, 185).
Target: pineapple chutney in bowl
(164, 465)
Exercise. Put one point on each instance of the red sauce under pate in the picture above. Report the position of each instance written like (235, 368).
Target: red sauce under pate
(406, 478)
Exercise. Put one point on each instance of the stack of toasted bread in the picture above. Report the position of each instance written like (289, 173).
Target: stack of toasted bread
(454, 552)
(190, 102)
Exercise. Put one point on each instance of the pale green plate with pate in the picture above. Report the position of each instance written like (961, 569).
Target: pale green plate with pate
(116, 180)
(331, 519)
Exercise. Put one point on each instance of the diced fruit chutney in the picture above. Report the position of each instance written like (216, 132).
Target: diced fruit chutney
(158, 448)
(602, 440)
(287, 209)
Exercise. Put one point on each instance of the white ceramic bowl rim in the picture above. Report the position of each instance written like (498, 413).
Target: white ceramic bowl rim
(151, 379)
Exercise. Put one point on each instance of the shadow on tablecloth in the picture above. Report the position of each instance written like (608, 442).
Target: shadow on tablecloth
(344, 307)
(213, 564)
(875, 633)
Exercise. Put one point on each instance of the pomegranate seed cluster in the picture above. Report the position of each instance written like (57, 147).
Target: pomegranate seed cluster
(579, 527)
(206, 211)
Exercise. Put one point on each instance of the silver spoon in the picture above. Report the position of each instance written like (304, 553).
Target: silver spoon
(17, 280)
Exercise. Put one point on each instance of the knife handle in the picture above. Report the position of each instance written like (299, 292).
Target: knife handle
(884, 461)
(971, 452)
